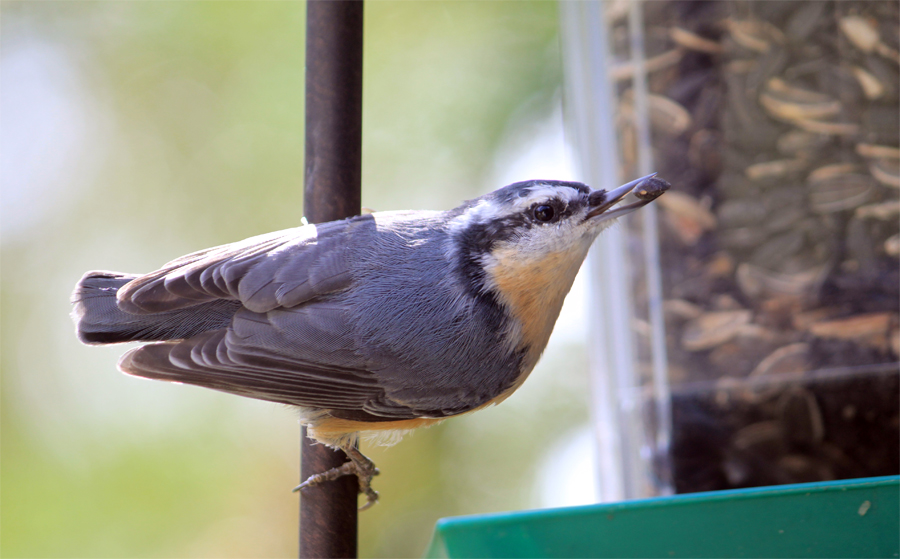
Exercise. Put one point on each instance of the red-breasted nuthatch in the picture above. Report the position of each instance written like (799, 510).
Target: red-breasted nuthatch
(372, 325)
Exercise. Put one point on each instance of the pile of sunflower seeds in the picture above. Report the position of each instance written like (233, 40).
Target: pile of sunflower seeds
(777, 124)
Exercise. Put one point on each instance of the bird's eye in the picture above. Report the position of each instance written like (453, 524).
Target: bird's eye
(543, 213)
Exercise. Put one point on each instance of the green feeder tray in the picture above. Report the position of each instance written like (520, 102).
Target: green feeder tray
(849, 518)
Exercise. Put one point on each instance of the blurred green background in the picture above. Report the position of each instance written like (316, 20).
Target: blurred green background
(135, 132)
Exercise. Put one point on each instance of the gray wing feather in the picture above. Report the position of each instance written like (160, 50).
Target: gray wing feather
(281, 269)
(303, 356)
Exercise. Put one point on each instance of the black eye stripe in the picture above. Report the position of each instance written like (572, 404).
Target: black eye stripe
(549, 211)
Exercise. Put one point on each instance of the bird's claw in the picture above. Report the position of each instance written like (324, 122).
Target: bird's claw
(345, 469)
(360, 466)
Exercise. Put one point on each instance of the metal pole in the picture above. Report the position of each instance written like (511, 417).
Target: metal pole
(328, 515)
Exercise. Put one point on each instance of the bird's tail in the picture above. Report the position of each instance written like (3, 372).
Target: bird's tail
(98, 319)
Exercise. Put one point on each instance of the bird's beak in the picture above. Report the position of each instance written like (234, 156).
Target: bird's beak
(601, 200)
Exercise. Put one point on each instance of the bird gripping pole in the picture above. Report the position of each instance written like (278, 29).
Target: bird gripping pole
(328, 512)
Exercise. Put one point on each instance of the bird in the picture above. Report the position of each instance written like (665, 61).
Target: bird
(373, 325)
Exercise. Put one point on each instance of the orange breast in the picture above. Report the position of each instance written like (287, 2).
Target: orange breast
(534, 289)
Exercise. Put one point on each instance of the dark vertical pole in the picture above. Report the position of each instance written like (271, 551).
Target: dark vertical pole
(331, 191)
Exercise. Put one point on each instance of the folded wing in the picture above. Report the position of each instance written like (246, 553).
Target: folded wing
(291, 341)
(281, 269)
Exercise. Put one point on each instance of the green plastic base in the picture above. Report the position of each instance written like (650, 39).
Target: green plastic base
(850, 518)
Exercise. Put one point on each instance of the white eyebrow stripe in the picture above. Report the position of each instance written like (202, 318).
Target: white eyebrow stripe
(546, 192)
(487, 210)
(481, 212)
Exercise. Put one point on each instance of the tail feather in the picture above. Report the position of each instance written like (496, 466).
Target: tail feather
(98, 319)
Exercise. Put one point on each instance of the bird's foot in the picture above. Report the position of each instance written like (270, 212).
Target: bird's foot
(344, 469)
(360, 466)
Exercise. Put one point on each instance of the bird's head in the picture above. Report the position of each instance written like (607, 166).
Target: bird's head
(525, 242)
